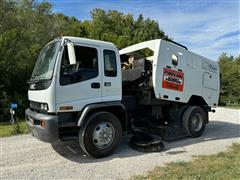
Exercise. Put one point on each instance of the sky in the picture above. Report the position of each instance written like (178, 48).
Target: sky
(206, 27)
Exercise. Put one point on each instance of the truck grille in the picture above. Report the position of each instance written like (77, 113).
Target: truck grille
(35, 105)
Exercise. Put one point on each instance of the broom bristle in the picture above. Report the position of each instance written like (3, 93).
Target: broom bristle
(146, 145)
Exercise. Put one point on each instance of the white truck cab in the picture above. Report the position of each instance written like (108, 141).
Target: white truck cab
(89, 90)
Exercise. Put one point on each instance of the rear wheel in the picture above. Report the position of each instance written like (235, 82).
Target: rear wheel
(194, 120)
(100, 136)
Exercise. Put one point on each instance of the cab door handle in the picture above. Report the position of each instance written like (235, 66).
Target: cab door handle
(95, 85)
(107, 84)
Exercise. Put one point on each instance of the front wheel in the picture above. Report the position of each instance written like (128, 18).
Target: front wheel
(100, 136)
(194, 120)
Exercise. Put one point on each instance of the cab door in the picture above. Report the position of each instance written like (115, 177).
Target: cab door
(79, 84)
(111, 75)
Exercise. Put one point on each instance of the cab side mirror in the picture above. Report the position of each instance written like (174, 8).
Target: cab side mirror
(71, 53)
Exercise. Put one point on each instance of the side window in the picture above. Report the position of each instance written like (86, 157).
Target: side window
(110, 65)
(85, 68)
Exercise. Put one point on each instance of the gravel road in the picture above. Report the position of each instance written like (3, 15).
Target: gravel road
(24, 157)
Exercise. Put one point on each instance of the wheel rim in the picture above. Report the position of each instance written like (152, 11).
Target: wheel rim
(103, 135)
(196, 122)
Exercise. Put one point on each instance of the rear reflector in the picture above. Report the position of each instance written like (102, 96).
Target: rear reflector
(42, 124)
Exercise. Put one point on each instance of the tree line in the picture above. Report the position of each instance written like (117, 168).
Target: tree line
(26, 26)
(230, 80)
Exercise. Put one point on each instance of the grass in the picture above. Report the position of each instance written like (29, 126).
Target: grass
(7, 129)
(222, 166)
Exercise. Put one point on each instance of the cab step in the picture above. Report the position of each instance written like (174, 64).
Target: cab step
(68, 138)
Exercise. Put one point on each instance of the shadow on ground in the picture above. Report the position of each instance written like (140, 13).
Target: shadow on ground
(215, 130)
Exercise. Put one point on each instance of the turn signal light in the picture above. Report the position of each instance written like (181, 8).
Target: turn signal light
(42, 124)
(65, 108)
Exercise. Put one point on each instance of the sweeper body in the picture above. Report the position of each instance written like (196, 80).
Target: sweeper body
(88, 90)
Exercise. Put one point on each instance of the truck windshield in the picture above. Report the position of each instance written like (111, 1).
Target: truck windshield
(45, 63)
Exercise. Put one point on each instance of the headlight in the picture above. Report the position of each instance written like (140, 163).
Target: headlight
(44, 106)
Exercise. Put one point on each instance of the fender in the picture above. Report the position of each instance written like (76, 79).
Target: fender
(90, 107)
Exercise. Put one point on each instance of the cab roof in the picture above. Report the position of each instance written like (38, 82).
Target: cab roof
(90, 42)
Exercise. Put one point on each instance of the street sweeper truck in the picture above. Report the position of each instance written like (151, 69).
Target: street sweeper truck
(88, 90)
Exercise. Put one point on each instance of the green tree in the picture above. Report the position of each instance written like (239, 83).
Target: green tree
(230, 75)
(122, 29)
(25, 26)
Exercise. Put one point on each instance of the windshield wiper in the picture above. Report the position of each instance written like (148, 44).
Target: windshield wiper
(34, 79)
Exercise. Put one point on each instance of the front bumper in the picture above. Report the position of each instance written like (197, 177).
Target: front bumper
(47, 134)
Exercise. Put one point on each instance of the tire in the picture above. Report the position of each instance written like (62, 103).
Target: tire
(181, 111)
(194, 121)
(101, 134)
